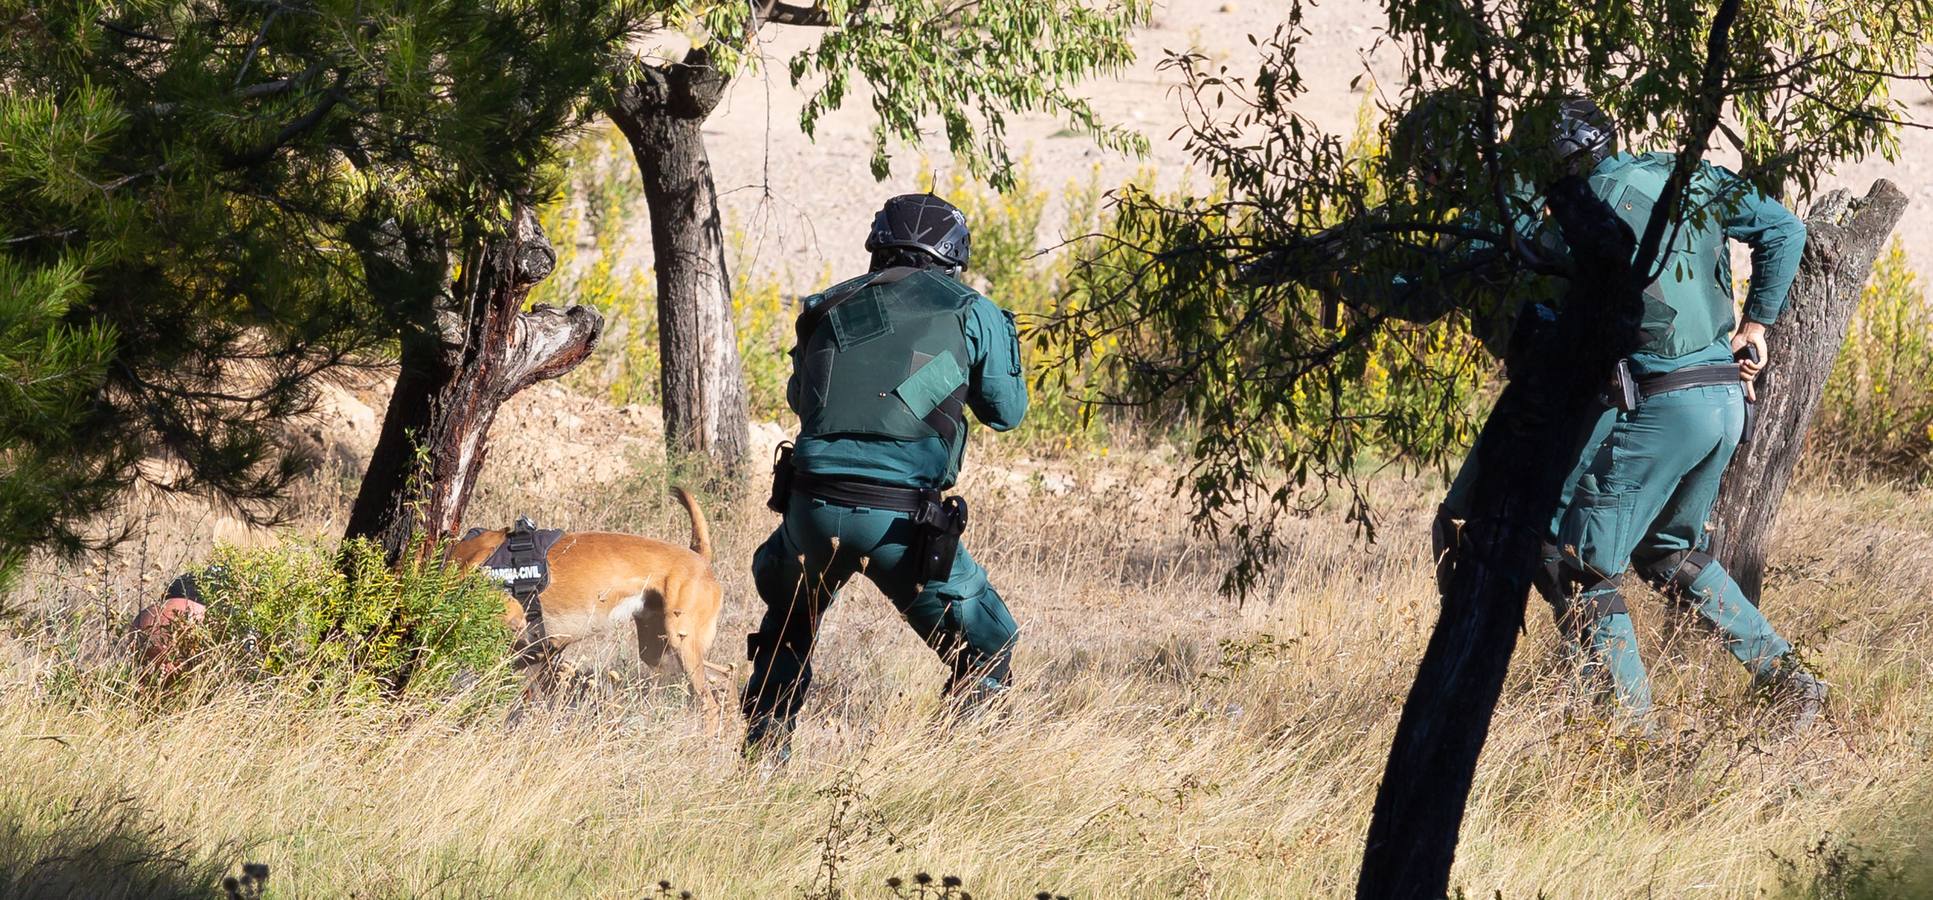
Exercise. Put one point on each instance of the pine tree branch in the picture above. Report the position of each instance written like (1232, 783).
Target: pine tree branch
(293, 130)
(138, 35)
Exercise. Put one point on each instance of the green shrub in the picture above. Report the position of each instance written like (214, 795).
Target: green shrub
(1233, 364)
(1877, 414)
(342, 621)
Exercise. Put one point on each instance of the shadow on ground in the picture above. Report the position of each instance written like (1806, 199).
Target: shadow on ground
(100, 850)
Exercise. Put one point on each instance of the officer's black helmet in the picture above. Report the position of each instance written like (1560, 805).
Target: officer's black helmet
(1435, 136)
(922, 223)
(1583, 134)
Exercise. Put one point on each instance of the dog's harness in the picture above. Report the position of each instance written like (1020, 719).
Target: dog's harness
(522, 565)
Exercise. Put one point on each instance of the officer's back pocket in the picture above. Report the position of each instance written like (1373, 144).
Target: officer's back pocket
(930, 384)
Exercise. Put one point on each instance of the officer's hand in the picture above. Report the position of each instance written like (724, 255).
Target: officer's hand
(1750, 333)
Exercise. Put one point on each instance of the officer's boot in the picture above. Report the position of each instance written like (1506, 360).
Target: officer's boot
(1789, 683)
(781, 672)
(768, 741)
(978, 686)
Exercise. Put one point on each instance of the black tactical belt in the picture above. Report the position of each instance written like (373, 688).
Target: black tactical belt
(848, 492)
(1696, 376)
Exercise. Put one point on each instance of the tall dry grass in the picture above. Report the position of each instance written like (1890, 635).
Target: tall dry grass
(1162, 741)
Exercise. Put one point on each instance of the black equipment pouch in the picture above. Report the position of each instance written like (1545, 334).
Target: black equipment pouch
(940, 522)
(1749, 353)
(1623, 391)
(782, 472)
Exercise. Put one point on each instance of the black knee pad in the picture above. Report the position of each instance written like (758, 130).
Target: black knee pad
(1605, 597)
(1674, 573)
(968, 665)
(766, 644)
(1548, 577)
(1607, 601)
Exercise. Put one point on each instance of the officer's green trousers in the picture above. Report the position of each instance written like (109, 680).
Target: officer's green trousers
(815, 551)
(1642, 500)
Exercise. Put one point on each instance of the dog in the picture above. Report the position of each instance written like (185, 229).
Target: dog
(597, 578)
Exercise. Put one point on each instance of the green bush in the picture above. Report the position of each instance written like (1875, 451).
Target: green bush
(1233, 363)
(342, 621)
(1877, 415)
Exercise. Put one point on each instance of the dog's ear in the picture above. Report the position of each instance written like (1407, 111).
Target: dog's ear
(476, 546)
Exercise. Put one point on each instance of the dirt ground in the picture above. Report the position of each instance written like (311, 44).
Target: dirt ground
(807, 204)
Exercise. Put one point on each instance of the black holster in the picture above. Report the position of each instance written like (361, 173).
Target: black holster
(1623, 392)
(782, 472)
(940, 522)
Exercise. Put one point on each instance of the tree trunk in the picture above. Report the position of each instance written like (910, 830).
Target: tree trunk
(1843, 237)
(422, 372)
(702, 383)
(483, 349)
(1525, 452)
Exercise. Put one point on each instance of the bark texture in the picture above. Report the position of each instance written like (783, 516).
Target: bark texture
(1526, 448)
(1843, 237)
(662, 112)
(482, 348)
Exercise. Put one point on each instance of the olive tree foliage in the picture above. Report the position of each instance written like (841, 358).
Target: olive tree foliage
(969, 64)
(1222, 305)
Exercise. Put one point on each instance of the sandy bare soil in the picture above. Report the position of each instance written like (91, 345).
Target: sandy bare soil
(808, 203)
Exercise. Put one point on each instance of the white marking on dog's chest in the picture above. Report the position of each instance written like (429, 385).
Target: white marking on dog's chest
(630, 608)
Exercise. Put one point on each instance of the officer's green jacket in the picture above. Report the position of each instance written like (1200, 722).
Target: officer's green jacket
(1493, 297)
(1688, 318)
(995, 388)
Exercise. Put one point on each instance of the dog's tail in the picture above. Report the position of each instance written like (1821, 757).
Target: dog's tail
(700, 534)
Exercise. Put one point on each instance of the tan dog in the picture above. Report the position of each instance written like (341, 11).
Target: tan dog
(597, 578)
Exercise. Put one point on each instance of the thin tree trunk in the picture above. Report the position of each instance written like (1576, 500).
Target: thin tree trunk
(1526, 450)
(1843, 238)
(421, 373)
(661, 114)
(484, 350)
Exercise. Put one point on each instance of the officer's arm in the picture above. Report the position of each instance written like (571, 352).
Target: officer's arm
(1463, 263)
(1422, 299)
(1777, 238)
(997, 393)
(792, 384)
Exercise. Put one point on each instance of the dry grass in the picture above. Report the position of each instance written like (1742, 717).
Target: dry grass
(1164, 742)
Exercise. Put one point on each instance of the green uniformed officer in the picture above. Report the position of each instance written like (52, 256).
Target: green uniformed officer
(1435, 142)
(885, 369)
(1650, 474)
(1669, 458)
